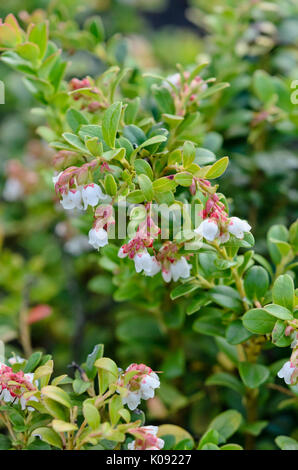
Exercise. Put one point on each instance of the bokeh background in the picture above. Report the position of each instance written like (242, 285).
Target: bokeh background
(46, 265)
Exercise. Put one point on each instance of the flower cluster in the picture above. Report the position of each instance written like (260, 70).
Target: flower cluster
(139, 383)
(289, 371)
(13, 385)
(74, 195)
(146, 439)
(186, 89)
(217, 225)
(89, 102)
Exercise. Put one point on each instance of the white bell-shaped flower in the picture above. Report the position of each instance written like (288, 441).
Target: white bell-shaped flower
(91, 194)
(72, 199)
(208, 229)
(238, 227)
(286, 372)
(132, 400)
(148, 384)
(180, 269)
(98, 238)
(147, 263)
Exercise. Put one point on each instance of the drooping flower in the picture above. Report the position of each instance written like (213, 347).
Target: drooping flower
(141, 383)
(208, 229)
(176, 270)
(91, 194)
(147, 263)
(238, 227)
(146, 439)
(98, 237)
(286, 372)
(72, 199)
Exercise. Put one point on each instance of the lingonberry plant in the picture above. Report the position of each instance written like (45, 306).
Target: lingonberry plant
(130, 166)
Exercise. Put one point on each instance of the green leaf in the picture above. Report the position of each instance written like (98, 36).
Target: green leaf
(57, 394)
(256, 282)
(226, 424)
(74, 140)
(110, 185)
(80, 386)
(33, 362)
(225, 379)
(227, 297)
(276, 232)
(38, 34)
(218, 168)
(115, 405)
(49, 436)
(255, 428)
(146, 186)
(164, 184)
(156, 139)
(28, 51)
(108, 365)
(293, 236)
(142, 167)
(286, 443)
(278, 335)
(54, 408)
(183, 289)
(212, 90)
(110, 123)
(63, 426)
(184, 179)
(164, 99)
(253, 375)
(231, 447)
(210, 437)
(210, 446)
(75, 119)
(135, 197)
(283, 292)
(91, 415)
(97, 353)
(189, 154)
(258, 321)
(96, 28)
(278, 311)
(236, 333)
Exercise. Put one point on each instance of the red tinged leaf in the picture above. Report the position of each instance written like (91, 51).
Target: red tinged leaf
(39, 312)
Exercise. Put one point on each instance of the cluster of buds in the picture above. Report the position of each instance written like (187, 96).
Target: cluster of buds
(88, 102)
(289, 371)
(20, 181)
(185, 91)
(13, 386)
(145, 439)
(217, 225)
(138, 383)
(69, 184)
